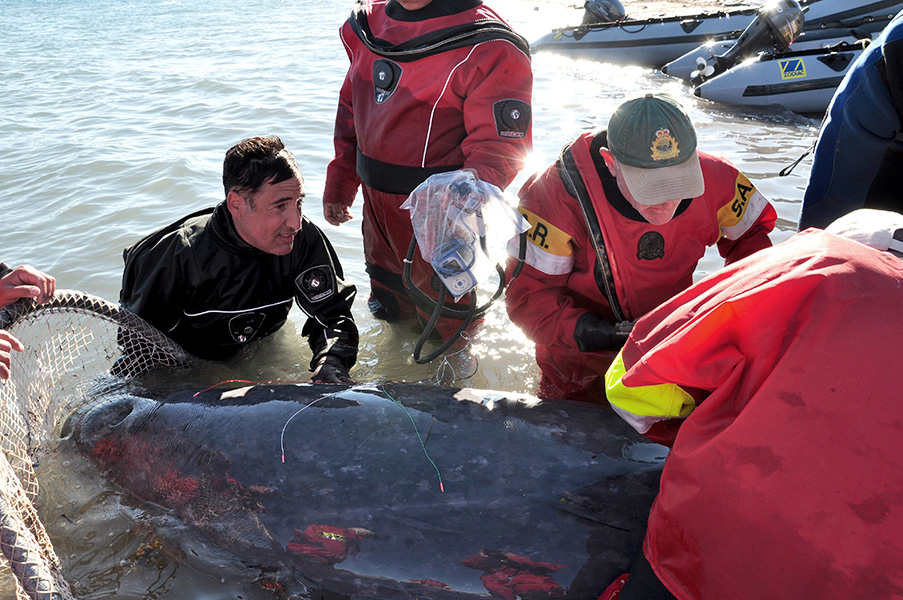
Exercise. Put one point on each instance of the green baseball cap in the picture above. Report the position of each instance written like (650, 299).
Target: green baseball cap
(654, 142)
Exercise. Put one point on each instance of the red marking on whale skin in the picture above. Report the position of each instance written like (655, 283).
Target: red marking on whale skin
(177, 489)
(109, 450)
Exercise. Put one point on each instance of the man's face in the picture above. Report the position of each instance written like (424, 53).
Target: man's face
(271, 225)
(655, 214)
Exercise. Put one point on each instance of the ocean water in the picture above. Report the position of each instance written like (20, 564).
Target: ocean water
(114, 117)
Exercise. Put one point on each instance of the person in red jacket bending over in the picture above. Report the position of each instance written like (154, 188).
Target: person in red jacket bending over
(619, 223)
(776, 382)
(433, 86)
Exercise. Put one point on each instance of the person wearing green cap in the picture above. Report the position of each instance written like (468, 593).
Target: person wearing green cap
(619, 223)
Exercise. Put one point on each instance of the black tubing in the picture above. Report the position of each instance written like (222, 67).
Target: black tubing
(440, 309)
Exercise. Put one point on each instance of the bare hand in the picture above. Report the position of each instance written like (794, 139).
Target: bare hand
(8, 343)
(336, 214)
(26, 282)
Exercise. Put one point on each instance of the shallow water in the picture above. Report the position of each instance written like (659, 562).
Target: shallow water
(114, 118)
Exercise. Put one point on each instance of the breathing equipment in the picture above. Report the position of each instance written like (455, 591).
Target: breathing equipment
(462, 227)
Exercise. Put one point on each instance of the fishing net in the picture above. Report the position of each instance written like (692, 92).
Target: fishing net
(76, 345)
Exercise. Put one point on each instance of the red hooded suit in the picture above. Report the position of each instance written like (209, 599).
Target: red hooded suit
(428, 91)
(782, 370)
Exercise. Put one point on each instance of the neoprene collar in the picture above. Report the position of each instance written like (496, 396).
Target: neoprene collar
(435, 42)
(436, 8)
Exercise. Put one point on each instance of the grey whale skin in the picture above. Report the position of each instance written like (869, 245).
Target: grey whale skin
(391, 491)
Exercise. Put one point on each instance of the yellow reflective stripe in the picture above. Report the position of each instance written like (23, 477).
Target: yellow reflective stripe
(732, 213)
(546, 236)
(646, 404)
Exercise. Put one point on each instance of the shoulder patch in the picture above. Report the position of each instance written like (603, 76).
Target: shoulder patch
(316, 284)
(546, 236)
(732, 212)
(550, 249)
(741, 212)
(512, 118)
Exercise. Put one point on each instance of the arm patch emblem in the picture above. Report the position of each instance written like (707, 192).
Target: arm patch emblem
(546, 236)
(550, 249)
(316, 284)
(732, 212)
(743, 210)
(512, 118)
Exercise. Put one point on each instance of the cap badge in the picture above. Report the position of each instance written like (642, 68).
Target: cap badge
(664, 146)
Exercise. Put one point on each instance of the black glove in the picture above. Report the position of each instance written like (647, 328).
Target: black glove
(330, 370)
(594, 334)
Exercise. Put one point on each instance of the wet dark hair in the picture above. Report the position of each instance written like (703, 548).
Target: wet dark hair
(255, 161)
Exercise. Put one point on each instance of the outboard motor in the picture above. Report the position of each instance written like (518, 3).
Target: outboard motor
(775, 27)
(603, 11)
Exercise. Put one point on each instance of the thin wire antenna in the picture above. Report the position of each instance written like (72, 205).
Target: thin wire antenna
(284, 427)
(417, 431)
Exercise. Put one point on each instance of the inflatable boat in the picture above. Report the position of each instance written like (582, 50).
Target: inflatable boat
(802, 81)
(686, 66)
(771, 63)
(608, 34)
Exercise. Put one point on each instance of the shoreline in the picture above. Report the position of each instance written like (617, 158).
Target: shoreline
(659, 8)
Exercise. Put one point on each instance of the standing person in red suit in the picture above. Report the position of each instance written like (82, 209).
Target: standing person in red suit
(619, 223)
(433, 86)
(776, 382)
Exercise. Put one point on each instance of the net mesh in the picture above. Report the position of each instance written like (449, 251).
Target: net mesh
(76, 346)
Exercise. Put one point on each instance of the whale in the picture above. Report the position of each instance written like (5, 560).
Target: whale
(391, 491)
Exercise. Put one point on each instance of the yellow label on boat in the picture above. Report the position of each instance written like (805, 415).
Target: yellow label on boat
(792, 68)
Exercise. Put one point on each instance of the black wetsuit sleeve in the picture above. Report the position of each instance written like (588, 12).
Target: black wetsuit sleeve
(4, 270)
(154, 283)
(330, 327)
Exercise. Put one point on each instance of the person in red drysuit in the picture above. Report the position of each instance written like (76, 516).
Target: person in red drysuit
(619, 224)
(776, 383)
(433, 86)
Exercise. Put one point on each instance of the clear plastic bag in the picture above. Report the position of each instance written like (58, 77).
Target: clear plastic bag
(462, 226)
